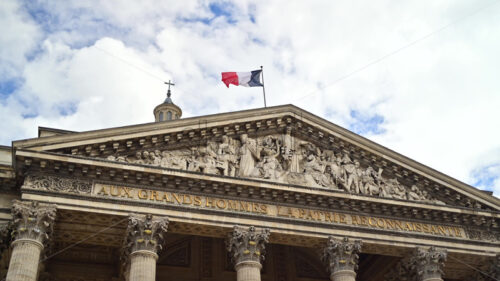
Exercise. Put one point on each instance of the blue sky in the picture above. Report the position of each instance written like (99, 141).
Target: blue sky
(83, 65)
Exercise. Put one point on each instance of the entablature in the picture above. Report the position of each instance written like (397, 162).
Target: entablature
(76, 177)
(120, 143)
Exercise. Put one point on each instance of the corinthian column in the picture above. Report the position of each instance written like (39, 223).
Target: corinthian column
(247, 247)
(144, 241)
(32, 224)
(342, 258)
(429, 263)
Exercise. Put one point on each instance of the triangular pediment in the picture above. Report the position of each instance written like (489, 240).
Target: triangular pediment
(284, 145)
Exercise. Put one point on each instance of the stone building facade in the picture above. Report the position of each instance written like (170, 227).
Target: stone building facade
(266, 194)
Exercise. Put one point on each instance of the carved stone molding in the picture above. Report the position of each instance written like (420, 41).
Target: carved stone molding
(281, 158)
(341, 254)
(145, 233)
(33, 220)
(54, 183)
(423, 264)
(481, 234)
(247, 244)
(429, 263)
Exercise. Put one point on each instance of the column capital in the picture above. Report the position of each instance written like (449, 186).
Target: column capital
(32, 221)
(341, 254)
(247, 244)
(145, 233)
(429, 263)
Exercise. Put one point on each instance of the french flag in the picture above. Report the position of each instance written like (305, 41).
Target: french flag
(247, 79)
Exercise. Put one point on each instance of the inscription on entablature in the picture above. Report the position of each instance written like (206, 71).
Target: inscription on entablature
(281, 158)
(271, 210)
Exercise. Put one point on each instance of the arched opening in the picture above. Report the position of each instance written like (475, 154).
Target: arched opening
(169, 115)
(161, 116)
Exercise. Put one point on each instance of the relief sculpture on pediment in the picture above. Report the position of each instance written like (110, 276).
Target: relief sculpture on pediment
(281, 158)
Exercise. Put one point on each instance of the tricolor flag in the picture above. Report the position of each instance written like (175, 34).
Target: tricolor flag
(247, 79)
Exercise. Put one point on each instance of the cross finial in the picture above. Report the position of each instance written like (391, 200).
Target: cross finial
(169, 84)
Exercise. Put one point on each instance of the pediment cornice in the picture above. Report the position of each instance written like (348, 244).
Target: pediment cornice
(112, 172)
(183, 133)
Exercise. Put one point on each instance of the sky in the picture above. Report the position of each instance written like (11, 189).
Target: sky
(419, 77)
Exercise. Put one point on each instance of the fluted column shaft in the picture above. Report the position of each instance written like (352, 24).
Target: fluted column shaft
(24, 261)
(248, 271)
(247, 247)
(143, 265)
(342, 258)
(343, 275)
(145, 236)
(32, 224)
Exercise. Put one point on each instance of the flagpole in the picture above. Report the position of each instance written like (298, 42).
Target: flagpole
(263, 85)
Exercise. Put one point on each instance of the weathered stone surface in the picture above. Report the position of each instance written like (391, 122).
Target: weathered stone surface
(32, 223)
(342, 257)
(281, 158)
(33, 220)
(145, 238)
(422, 265)
(60, 184)
(247, 244)
(145, 233)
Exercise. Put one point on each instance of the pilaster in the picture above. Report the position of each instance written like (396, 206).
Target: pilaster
(145, 237)
(342, 258)
(247, 247)
(32, 226)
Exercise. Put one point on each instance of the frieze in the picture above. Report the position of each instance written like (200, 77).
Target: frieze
(59, 184)
(177, 199)
(281, 158)
(480, 234)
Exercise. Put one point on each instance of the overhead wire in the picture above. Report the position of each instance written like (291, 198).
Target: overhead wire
(398, 50)
(129, 63)
(408, 236)
(392, 53)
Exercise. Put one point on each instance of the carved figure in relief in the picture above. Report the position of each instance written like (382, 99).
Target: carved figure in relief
(209, 163)
(282, 158)
(352, 174)
(249, 155)
(156, 157)
(314, 171)
(395, 190)
(269, 166)
(146, 158)
(226, 154)
(138, 158)
(288, 152)
(193, 164)
(372, 182)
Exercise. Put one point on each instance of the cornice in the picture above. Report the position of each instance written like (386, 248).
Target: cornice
(142, 176)
(315, 125)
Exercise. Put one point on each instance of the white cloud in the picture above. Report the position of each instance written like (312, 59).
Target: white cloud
(19, 36)
(438, 99)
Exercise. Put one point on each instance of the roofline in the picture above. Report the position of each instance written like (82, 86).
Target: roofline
(60, 131)
(348, 135)
(152, 125)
